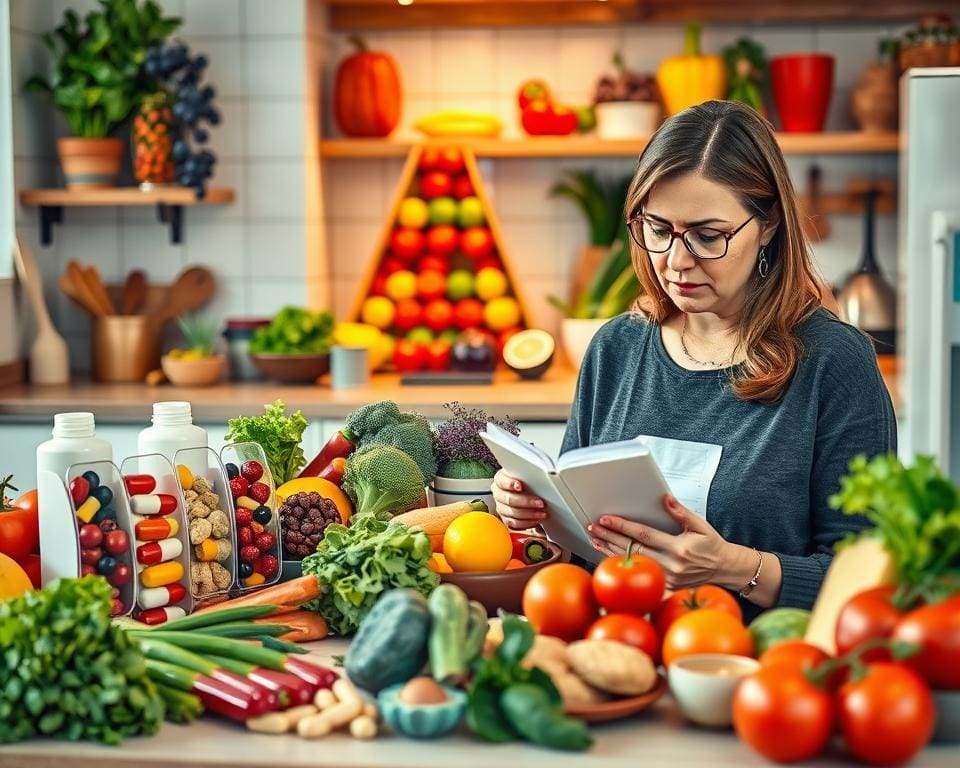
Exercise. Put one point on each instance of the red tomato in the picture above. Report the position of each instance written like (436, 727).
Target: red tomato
(558, 601)
(429, 159)
(408, 356)
(532, 90)
(476, 243)
(779, 713)
(468, 313)
(867, 616)
(438, 315)
(692, 599)
(379, 285)
(462, 187)
(706, 631)
(435, 184)
(886, 716)
(438, 355)
(540, 118)
(443, 239)
(627, 629)
(451, 160)
(431, 285)
(31, 566)
(392, 264)
(628, 585)
(20, 527)
(793, 653)
(434, 263)
(406, 243)
(936, 630)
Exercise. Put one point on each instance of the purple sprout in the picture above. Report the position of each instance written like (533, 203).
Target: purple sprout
(457, 445)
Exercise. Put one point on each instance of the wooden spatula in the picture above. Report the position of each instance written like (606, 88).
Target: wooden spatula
(49, 360)
(191, 290)
(76, 287)
(134, 292)
(95, 285)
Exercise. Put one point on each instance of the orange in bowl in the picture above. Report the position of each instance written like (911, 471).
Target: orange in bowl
(477, 541)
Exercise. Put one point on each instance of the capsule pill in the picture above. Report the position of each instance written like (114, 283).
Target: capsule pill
(161, 615)
(161, 596)
(88, 509)
(154, 552)
(138, 484)
(161, 574)
(156, 528)
(153, 504)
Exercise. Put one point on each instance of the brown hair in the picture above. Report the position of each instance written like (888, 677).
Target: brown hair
(731, 144)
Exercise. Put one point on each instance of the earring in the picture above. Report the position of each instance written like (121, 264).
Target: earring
(764, 266)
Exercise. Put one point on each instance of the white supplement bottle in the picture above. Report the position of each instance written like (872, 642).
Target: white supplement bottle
(74, 441)
(173, 430)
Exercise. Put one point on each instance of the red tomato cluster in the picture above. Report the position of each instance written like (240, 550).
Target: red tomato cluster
(20, 531)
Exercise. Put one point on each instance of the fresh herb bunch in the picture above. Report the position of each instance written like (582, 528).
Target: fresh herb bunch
(356, 565)
(295, 331)
(278, 434)
(747, 72)
(459, 450)
(916, 515)
(68, 672)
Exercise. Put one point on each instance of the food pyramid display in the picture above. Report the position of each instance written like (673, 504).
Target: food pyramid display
(439, 273)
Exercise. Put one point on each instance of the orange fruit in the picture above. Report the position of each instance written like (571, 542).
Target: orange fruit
(401, 285)
(14, 581)
(706, 630)
(378, 311)
(477, 541)
(502, 313)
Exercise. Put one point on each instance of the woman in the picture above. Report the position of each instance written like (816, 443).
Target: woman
(729, 346)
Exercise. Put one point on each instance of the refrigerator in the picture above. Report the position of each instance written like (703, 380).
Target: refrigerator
(928, 265)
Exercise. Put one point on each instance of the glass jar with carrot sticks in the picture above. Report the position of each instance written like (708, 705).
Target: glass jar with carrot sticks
(153, 141)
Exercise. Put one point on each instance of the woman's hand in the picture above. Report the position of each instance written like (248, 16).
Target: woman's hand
(518, 510)
(697, 555)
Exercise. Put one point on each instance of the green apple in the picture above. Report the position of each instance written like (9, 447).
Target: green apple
(413, 213)
(459, 284)
(449, 335)
(443, 210)
(470, 213)
(420, 335)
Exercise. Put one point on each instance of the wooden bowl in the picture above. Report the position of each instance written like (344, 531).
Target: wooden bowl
(292, 369)
(501, 589)
(202, 372)
(617, 709)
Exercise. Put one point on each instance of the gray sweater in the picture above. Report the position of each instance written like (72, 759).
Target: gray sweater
(780, 463)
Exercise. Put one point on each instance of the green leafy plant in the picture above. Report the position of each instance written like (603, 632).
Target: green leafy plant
(199, 333)
(601, 202)
(460, 452)
(747, 72)
(295, 331)
(278, 434)
(97, 75)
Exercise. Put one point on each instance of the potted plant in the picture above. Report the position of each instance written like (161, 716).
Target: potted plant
(97, 81)
(604, 283)
(626, 105)
(197, 365)
(747, 73)
(465, 466)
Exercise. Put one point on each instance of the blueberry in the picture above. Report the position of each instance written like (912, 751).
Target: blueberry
(106, 565)
(232, 470)
(262, 515)
(104, 513)
(246, 570)
(104, 495)
(201, 136)
(93, 478)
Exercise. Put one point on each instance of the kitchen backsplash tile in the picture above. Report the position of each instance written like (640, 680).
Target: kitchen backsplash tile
(222, 247)
(219, 18)
(230, 136)
(518, 52)
(97, 244)
(277, 189)
(356, 189)
(465, 62)
(148, 247)
(275, 67)
(264, 18)
(269, 295)
(274, 127)
(227, 70)
(276, 250)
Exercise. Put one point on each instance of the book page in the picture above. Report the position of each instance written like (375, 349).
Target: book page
(598, 454)
(687, 466)
(529, 451)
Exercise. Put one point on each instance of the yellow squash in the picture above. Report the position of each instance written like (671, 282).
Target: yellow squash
(692, 78)
(434, 521)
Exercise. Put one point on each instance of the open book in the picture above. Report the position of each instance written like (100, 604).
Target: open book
(610, 479)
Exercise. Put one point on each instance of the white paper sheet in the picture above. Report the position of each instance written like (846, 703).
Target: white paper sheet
(688, 468)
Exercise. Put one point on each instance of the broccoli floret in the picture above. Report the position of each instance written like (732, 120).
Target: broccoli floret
(468, 469)
(369, 419)
(382, 480)
(411, 435)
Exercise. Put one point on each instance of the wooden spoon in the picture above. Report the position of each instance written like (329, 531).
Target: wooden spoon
(49, 360)
(76, 287)
(99, 290)
(191, 290)
(134, 292)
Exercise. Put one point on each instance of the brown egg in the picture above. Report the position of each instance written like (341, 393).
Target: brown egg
(422, 690)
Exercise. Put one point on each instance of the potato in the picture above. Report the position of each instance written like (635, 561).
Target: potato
(576, 692)
(612, 667)
(546, 650)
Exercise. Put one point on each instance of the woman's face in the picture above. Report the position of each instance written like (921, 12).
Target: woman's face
(703, 285)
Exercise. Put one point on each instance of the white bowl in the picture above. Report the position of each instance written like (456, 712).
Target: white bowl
(703, 685)
(577, 335)
(627, 119)
(447, 490)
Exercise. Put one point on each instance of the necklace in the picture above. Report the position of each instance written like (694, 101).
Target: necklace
(710, 363)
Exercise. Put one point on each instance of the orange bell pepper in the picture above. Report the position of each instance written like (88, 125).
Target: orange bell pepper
(692, 78)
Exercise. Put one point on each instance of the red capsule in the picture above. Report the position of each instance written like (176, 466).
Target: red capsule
(158, 597)
(158, 551)
(160, 615)
(139, 484)
(153, 504)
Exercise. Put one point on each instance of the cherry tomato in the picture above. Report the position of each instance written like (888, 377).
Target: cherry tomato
(779, 713)
(20, 527)
(628, 585)
(627, 629)
(90, 536)
(867, 616)
(936, 630)
(31, 566)
(692, 599)
(887, 715)
(558, 600)
(707, 630)
(408, 356)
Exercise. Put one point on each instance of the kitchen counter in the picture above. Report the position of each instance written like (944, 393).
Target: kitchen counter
(657, 738)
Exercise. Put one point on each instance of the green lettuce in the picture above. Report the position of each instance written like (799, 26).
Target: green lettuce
(278, 434)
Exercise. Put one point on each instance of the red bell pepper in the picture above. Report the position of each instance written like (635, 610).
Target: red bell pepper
(541, 118)
(341, 445)
(529, 549)
(334, 470)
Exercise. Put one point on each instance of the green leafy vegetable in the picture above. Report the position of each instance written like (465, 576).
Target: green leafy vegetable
(916, 514)
(67, 672)
(355, 565)
(382, 480)
(278, 434)
(295, 331)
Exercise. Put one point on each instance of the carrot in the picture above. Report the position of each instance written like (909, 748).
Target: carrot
(305, 626)
(288, 594)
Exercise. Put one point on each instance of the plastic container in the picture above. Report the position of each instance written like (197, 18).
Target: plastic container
(238, 334)
(173, 430)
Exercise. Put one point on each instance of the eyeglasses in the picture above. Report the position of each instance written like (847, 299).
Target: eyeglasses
(702, 242)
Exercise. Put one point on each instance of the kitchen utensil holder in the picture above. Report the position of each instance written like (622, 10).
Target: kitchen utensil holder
(125, 348)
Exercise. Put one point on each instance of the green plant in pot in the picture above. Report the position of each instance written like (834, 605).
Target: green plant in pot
(465, 466)
(97, 80)
(604, 282)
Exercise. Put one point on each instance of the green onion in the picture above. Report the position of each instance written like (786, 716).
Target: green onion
(170, 675)
(169, 653)
(181, 707)
(231, 665)
(239, 613)
(220, 646)
(284, 646)
(242, 630)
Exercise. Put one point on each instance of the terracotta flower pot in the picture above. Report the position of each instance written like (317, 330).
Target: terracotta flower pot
(90, 163)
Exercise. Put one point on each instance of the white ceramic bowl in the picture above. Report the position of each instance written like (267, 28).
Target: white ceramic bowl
(627, 119)
(447, 490)
(576, 335)
(703, 685)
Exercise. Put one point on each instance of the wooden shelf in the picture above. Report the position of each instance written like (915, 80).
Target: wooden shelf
(828, 143)
(170, 202)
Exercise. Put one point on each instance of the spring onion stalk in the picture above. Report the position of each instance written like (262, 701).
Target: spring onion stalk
(211, 618)
(291, 690)
(181, 707)
(242, 630)
(284, 646)
(219, 646)
(215, 695)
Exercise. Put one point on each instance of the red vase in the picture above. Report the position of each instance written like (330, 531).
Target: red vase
(802, 86)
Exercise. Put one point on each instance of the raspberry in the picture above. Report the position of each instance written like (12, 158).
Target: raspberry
(252, 471)
(238, 486)
(267, 565)
(249, 554)
(266, 542)
(243, 517)
(245, 536)
(259, 492)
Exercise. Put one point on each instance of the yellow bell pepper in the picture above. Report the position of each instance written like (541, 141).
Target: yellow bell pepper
(692, 78)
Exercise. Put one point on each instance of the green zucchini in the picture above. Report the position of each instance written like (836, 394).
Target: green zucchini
(448, 633)
(476, 630)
